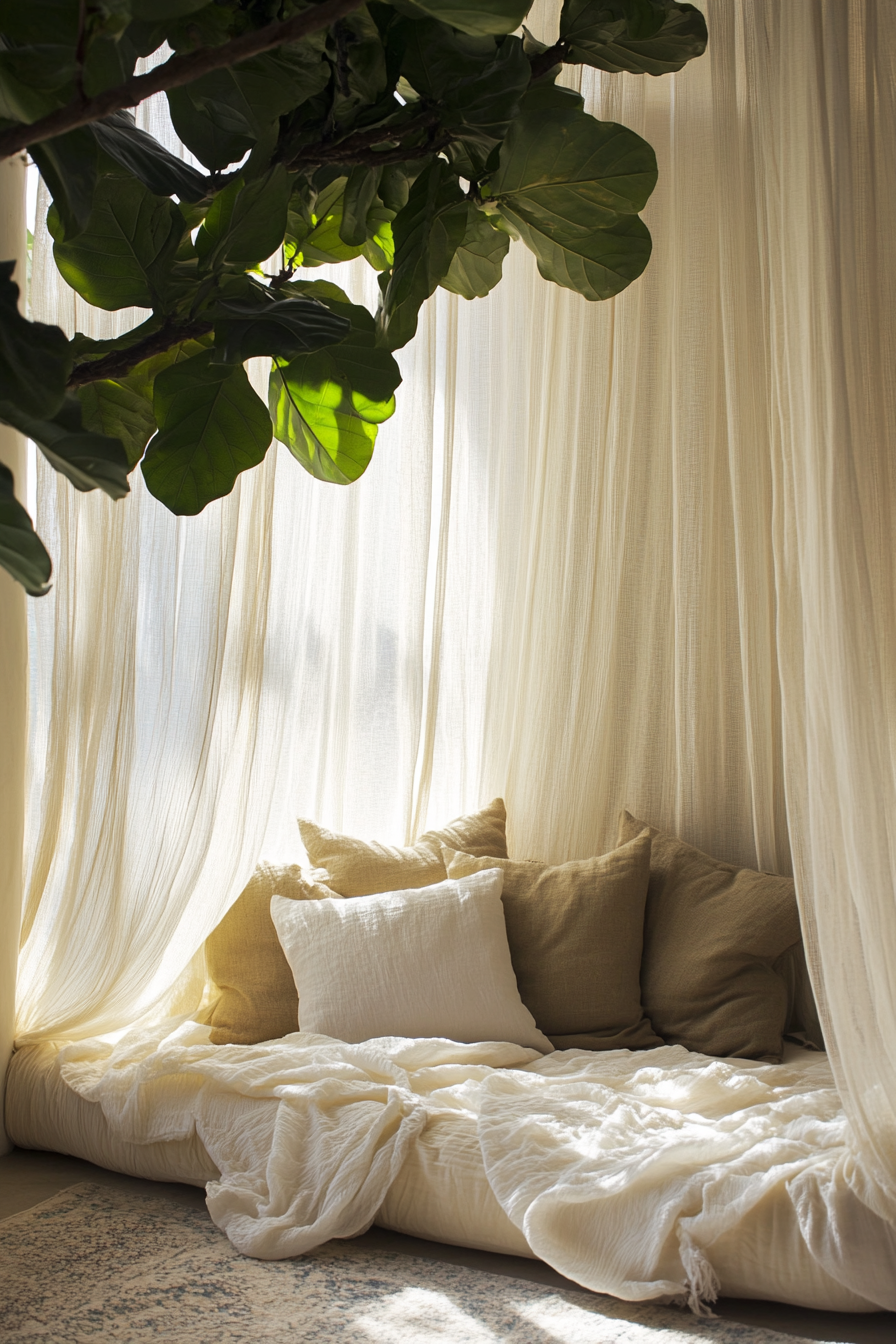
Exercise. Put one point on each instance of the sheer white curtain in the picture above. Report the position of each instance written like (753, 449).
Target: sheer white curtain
(631, 553)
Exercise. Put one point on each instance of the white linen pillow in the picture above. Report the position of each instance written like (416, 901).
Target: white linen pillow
(432, 961)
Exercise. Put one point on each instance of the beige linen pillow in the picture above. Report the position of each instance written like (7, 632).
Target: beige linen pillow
(712, 933)
(575, 932)
(363, 868)
(424, 962)
(244, 958)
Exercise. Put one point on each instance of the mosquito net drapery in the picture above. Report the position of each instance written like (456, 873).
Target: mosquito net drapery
(632, 553)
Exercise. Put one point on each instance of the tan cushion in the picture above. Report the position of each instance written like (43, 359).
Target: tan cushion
(244, 958)
(711, 934)
(365, 868)
(575, 932)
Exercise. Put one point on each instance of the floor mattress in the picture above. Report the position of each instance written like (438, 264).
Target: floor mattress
(440, 1194)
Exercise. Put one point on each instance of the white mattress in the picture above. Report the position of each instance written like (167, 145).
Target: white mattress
(441, 1193)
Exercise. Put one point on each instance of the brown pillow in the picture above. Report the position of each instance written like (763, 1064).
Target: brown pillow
(365, 868)
(244, 958)
(711, 935)
(575, 934)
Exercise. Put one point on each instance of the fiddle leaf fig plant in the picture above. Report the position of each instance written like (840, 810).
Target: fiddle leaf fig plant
(421, 135)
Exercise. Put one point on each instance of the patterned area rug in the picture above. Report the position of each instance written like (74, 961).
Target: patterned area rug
(96, 1264)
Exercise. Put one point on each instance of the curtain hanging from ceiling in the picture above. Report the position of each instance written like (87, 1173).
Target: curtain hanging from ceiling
(630, 553)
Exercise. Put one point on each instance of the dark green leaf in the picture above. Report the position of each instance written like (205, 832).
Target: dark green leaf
(394, 187)
(34, 80)
(123, 256)
(161, 171)
(472, 16)
(225, 113)
(246, 222)
(476, 265)
(69, 166)
(570, 187)
(360, 193)
(35, 359)
(141, 378)
(22, 553)
(326, 406)
(476, 83)
(160, 10)
(39, 20)
(290, 327)
(356, 52)
(428, 232)
(90, 461)
(111, 407)
(212, 426)
(653, 37)
(110, 61)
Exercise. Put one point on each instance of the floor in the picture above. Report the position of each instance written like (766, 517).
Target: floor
(27, 1178)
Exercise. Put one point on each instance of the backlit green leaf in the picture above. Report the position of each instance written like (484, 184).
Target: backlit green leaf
(246, 222)
(476, 265)
(111, 407)
(22, 553)
(482, 17)
(123, 256)
(212, 426)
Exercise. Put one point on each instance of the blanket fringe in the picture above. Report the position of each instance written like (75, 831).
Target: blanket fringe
(702, 1281)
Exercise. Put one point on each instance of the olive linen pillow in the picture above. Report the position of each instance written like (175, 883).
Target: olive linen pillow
(575, 932)
(711, 935)
(364, 868)
(258, 1000)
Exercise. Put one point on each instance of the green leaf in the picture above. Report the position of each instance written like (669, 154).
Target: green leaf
(326, 406)
(139, 153)
(111, 407)
(34, 80)
(22, 553)
(476, 265)
(472, 16)
(39, 19)
(123, 257)
(35, 359)
(245, 328)
(223, 114)
(316, 241)
(141, 378)
(428, 232)
(570, 187)
(360, 194)
(246, 222)
(69, 166)
(476, 82)
(212, 426)
(653, 37)
(90, 461)
(379, 249)
(356, 52)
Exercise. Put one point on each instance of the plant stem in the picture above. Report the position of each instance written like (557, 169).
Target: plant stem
(174, 73)
(118, 363)
(546, 61)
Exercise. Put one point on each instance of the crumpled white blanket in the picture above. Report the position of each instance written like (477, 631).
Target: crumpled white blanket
(620, 1168)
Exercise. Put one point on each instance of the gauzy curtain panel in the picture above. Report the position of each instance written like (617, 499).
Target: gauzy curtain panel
(636, 553)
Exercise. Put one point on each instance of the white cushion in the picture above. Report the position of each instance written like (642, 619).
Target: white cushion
(433, 961)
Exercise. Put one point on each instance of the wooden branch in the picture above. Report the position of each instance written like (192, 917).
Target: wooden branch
(118, 363)
(359, 147)
(177, 71)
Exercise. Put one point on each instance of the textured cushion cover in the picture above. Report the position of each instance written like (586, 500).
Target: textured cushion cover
(363, 868)
(430, 962)
(258, 999)
(712, 933)
(575, 932)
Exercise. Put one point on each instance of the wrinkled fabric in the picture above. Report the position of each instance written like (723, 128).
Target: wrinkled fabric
(620, 1168)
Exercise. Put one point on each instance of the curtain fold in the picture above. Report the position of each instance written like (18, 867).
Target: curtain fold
(635, 553)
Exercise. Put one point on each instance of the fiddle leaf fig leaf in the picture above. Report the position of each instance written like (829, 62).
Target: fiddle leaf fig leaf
(114, 409)
(287, 328)
(570, 187)
(123, 257)
(139, 153)
(326, 406)
(91, 461)
(472, 16)
(22, 553)
(360, 194)
(653, 37)
(212, 426)
(245, 223)
(476, 265)
(69, 165)
(35, 359)
(428, 232)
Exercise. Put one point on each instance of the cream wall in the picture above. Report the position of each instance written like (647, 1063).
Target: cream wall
(13, 669)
